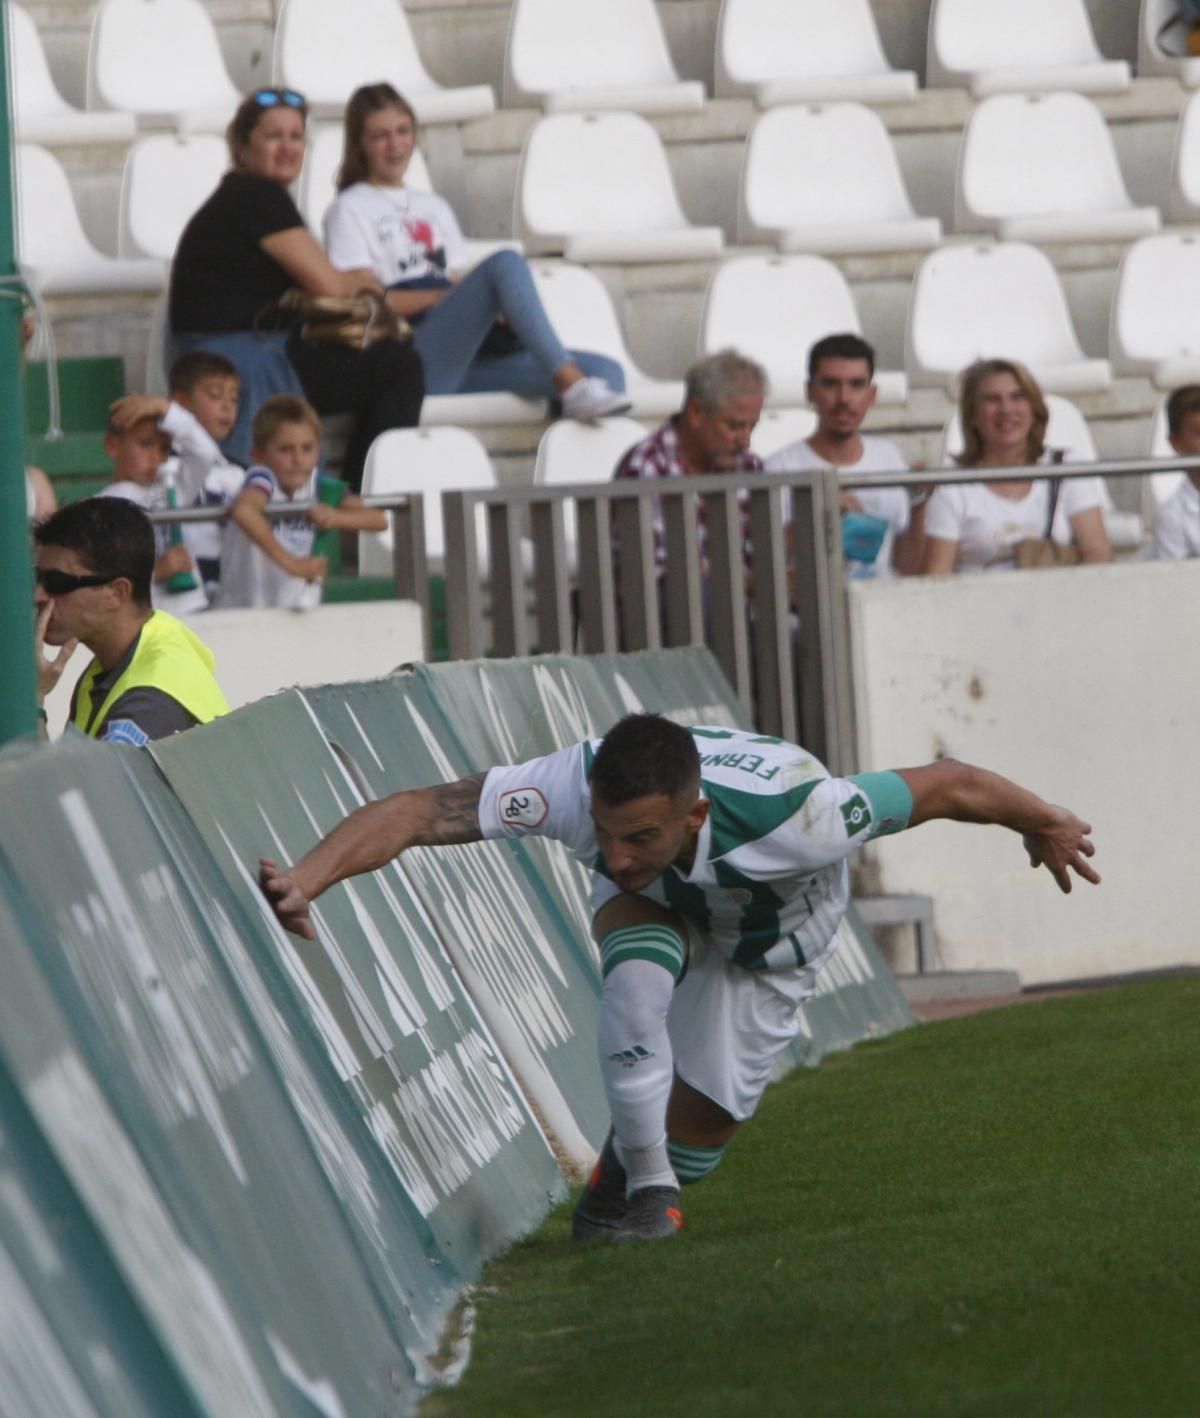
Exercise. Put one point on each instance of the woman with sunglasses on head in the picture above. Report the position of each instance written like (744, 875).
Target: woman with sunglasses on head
(241, 251)
(411, 241)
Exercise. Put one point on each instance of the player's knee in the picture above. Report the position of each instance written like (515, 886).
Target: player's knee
(691, 1162)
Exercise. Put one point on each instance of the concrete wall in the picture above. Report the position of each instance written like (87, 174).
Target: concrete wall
(1080, 684)
(260, 652)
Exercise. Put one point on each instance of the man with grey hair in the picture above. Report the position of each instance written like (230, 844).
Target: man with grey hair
(723, 401)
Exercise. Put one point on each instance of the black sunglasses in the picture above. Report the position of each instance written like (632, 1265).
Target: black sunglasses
(268, 98)
(62, 583)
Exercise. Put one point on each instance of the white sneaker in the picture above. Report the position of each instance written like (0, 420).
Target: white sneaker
(591, 398)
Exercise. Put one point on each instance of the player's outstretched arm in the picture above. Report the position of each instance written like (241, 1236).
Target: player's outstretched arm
(1054, 837)
(368, 839)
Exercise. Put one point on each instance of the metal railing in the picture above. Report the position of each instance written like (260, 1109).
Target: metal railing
(779, 630)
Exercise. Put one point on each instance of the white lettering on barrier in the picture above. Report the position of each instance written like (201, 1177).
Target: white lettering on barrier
(564, 705)
(717, 714)
(189, 1047)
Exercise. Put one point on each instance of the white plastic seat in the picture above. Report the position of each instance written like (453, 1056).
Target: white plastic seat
(579, 309)
(1042, 167)
(166, 177)
(41, 113)
(779, 427)
(1159, 446)
(429, 461)
(796, 51)
(1173, 60)
(160, 57)
(596, 187)
(571, 452)
(568, 55)
(327, 50)
(1019, 46)
(1153, 329)
(798, 190)
(775, 308)
(53, 248)
(1185, 165)
(996, 301)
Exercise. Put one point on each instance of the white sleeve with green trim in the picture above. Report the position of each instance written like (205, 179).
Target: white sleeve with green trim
(544, 797)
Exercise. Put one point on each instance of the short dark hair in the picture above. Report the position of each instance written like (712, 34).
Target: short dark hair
(189, 369)
(845, 346)
(643, 755)
(1182, 402)
(111, 536)
(277, 410)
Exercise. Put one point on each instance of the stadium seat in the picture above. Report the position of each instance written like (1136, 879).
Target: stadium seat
(797, 51)
(327, 50)
(571, 452)
(824, 177)
(582, 314)
(1017, 311)
(428, 461)
(1019, 46)
(41, 113)
(1042, 167)
(775, 308)
(568, 55)
(167, 176)
(1167, 55)
(160, 57)
(1159, 446)
(779, 427)
(1185, 165)
(1153, 329)
(596, 187)
(154, 380)
(53, 249)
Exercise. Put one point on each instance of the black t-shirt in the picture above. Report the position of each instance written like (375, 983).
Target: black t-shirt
(221, 276)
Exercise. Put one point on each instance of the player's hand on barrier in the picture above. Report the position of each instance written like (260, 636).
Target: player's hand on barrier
(286, 899)
(1063, 848)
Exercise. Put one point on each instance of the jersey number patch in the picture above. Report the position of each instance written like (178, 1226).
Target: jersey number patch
(522, 807)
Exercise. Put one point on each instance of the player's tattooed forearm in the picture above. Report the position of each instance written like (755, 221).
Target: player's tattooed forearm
(457, 812)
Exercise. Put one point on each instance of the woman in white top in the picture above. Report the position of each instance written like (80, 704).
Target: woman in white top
(977, 526)
(411, 240)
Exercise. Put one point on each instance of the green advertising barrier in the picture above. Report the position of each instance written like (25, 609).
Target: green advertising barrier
(528, 969)
(411, 1051)
(132, 1051)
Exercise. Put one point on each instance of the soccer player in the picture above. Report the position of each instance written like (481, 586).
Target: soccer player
(719, 861)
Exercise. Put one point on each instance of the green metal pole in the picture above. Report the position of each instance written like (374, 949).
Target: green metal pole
(18, 682)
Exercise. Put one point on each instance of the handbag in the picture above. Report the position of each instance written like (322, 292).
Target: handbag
(356, 321)
(1036, 553)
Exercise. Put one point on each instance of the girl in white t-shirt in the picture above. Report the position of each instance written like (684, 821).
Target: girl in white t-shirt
(977, 526)
(411, 240)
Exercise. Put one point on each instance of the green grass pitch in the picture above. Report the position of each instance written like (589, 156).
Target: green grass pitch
(996, 1216)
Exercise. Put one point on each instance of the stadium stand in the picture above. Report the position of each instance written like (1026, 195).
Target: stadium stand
(160, 58)
(167, 176)
(776, 307)
(779, 427)
(1184, 205)
(1164, 50)
(327, 50)
(597, 188)
(42, 114)
(797, 51)
(1023, 45)
(1154, 328)
(1017, 309)
(623, 63)
(53, 249)
(1042, 168)
(572, 452)
(414, 460)
(824, 177)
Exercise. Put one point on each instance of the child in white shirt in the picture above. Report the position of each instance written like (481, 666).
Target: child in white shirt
(1177, 525)
(270, 562)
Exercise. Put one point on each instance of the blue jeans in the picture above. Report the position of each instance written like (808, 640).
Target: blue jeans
(448, 337)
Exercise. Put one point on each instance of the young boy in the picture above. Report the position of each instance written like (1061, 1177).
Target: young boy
(138, 450)
(270, 562)
(1177, 526)
(198, 417)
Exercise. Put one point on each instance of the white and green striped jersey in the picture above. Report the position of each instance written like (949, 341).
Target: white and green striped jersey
(769, 882)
